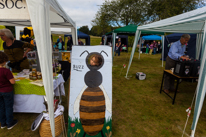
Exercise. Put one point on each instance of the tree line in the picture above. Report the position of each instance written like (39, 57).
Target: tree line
(113, 14)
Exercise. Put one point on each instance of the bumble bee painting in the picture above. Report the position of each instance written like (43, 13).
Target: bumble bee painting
(90, 108)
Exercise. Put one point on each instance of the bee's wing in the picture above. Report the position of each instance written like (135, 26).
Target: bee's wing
(76, 103)
(108, 102)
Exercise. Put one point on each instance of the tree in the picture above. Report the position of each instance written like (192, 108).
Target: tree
(84, 29)
(161, 9)
(121, 12)
(102, 20)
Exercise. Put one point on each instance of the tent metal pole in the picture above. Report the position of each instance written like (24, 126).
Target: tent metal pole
(140, 42)
(163, 41)
(113, 45)
(105, 40)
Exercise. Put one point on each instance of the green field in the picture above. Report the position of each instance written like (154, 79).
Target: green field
(139, 110)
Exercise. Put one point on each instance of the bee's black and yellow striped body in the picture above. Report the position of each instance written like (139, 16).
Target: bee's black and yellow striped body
(92, 110)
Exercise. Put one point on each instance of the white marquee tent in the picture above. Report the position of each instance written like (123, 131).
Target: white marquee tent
(189, 22)
(41, 14)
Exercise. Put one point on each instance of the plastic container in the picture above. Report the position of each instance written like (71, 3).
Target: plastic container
(140, 76)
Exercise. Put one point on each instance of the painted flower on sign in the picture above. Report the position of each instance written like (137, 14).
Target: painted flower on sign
(108, 127)
(72, 125)
(78, 130)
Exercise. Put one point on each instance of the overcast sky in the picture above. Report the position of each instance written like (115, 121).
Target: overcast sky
(81, 11)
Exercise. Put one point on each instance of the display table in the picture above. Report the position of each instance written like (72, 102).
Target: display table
(29, 98)
(169, 72)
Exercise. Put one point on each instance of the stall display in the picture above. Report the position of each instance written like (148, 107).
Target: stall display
(33, 59)
(28, 91)
(66, 56)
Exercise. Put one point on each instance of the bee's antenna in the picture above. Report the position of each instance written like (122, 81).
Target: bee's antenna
(104, 52)
(83, 52)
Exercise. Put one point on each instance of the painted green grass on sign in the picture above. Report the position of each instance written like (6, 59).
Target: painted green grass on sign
(75, 128)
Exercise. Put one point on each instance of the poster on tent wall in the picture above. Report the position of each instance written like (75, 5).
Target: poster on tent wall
(14, 9)
(90, 103)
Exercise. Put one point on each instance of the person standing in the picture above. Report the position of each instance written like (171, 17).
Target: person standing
(6, 94)
(69, 44)
(175, 53)
(59, 38)
(60, 44)
(147, 48)
(151, 48)
(119, 45)
(102, 41)
(15, 51)
(154, 47)
(159, 47)
(80, 42)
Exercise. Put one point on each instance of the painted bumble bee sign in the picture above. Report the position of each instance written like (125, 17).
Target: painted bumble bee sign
(90, 103)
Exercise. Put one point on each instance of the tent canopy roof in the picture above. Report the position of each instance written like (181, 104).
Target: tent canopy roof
(79, 34)
(189, 22)
(126, 29)
(131, 30)
(53, 30)
(151, 37)
(21, 17)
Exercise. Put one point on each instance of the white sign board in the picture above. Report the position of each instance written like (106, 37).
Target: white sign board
(90, 105)
(14, 9)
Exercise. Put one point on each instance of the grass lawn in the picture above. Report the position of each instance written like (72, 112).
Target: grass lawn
(139, 110)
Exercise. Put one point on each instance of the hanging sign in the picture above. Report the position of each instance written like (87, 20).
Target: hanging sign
(14, 9)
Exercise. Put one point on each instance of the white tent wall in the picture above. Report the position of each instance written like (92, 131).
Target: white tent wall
(201, 87)
(39, 14)
(74, 36)
(189, 22)
(198, 45)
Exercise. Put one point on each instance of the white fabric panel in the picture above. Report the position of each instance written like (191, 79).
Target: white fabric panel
(198, 45)
(39, 13)
(74, 36)
(17, 32)
(136, 38)
(59, 82)
(60, 12)
(201, 87)
(28, 103)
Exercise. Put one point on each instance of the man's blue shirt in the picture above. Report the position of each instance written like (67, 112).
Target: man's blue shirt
(176, 50)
